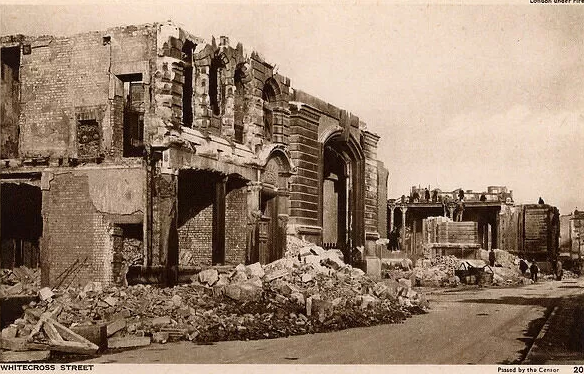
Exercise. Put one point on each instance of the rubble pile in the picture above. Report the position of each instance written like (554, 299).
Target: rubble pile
(310, 290)
(19, 281)
(502, 258)
(437, 272)
(132, 252)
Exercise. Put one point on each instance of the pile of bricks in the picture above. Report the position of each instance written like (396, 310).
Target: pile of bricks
(312, 290)
(19, 281)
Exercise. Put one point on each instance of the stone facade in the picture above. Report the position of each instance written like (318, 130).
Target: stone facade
(196, 153)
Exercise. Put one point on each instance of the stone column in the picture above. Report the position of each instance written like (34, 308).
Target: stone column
(166, 192)
(404, 209)
(391, 217)
(253, 216)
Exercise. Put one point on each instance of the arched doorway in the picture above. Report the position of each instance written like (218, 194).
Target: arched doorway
(273, 206)
(342, 213)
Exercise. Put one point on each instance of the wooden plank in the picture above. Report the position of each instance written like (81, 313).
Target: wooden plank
(28, 356)
(51, 332)
(70, 335)
(73, 347)
(21, 344)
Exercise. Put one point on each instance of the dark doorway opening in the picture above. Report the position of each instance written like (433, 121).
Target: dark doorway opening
(22, 225)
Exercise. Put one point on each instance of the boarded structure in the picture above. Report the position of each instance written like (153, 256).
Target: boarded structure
(530, 231)
(442, 236)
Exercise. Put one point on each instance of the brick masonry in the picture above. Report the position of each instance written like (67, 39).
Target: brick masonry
(71, 106)
(77, 232)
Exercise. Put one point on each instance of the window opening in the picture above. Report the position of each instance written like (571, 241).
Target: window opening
(133, 104)
(187, 98)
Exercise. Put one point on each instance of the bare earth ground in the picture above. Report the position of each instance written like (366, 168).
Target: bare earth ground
(465, 326)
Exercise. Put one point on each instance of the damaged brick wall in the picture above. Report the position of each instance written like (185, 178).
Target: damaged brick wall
(235, 224)
(80, 211)
(77, 235)
(62, 76)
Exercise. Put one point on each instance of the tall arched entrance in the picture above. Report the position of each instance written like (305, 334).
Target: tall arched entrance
(273, 209)
(342, 210)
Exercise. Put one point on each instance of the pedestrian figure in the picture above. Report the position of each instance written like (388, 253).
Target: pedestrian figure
(459, 210)
(483, 198)
(460, 194)
(445, 201)
(434, 196)
(416, 197)
(533, 269)
(393, 239)
(492, 257)
(559, 270)
(427, 195)
(523, 266)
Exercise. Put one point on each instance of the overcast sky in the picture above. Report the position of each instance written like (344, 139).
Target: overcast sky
(462, 96)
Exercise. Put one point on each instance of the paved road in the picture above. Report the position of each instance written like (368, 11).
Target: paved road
(473, 326)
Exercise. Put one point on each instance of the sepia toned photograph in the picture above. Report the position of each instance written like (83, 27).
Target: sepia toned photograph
(270, 183)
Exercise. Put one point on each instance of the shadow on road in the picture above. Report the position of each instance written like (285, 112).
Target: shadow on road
(534, 326)
(517, 300)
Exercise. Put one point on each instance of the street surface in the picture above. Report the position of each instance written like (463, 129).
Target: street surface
(464, 326)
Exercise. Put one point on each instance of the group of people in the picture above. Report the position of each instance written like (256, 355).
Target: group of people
(534, 269)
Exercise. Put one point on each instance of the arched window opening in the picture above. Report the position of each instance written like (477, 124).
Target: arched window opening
(187, 97)
(238, 101)
(269, 97)
(214, 87)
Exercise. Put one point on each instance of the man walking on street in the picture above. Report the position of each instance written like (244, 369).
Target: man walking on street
(492, 257)
(533, 269)
(523, 266)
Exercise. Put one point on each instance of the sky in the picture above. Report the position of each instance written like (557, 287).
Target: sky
(463, 96)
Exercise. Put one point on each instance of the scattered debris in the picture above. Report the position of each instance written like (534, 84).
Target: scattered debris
(309, 290)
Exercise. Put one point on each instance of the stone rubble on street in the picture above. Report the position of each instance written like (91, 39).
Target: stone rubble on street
(309, 290)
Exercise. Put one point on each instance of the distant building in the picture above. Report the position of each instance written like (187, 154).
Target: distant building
(572, 235)
(480, 207)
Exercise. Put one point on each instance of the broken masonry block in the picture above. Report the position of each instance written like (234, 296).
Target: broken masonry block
(160, 337)
(27, 356)
(161, 321)
(128, 342)
(115, 326)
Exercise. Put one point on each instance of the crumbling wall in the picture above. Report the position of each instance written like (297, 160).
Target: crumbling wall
(67, 79)
(80, 210)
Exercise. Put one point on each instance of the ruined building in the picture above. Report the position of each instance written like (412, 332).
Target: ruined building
(149, 147)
